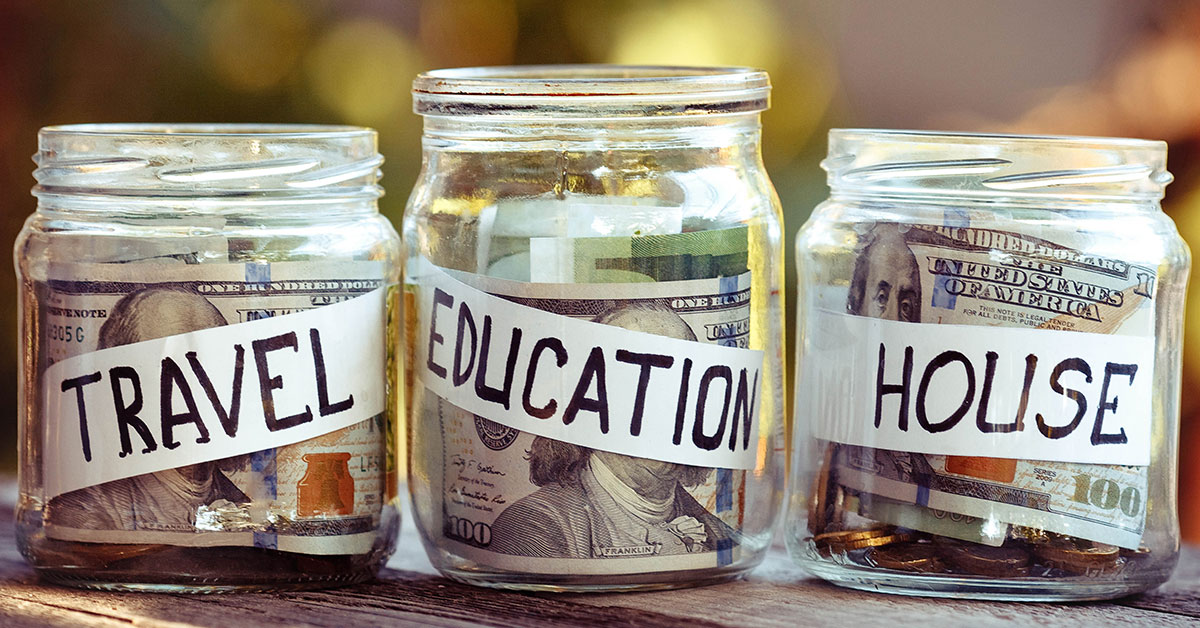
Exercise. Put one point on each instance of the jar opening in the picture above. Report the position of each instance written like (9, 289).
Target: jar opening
(228, 162)
(590, 91)
(273, 131)
(995, 166)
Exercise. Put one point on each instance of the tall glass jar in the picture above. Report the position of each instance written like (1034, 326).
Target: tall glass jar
(988, 338)
(594, 327)
(207, 316)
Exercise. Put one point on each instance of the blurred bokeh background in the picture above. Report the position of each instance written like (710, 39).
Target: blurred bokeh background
(1091, 67)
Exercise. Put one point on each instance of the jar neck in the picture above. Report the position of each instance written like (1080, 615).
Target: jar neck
(983, 200)
(742, 130)
(1031, 171)
(102, 208)
(171, 171)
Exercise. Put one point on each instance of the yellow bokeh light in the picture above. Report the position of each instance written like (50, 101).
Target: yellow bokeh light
(362, 70)
(252, 46)
(1186, 213)
(468, 32)
(715, 32)
(703, 32)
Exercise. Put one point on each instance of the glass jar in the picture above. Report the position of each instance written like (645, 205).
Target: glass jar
(988, 337)
(595, 336)
(207, 314)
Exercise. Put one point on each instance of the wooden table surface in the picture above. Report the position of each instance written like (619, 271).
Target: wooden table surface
(409, 592)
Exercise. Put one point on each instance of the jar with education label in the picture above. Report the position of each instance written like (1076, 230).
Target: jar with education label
(989, 339)
(594, 327)
(208, 383)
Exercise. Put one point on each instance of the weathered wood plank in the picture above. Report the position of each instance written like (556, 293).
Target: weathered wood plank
(1179, 596)
(778, 595)
(409, 593)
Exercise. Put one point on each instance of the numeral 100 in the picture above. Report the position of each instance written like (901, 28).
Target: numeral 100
(475, 533)
(1107, 494)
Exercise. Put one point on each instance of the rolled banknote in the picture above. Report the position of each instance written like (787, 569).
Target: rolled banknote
(321, 496)
(960, 273)
(512, 500)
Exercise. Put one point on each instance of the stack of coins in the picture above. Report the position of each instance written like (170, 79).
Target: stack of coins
(1008, 561)
(1081, 558)
(837, 530)
(844, 541)
(920, 557)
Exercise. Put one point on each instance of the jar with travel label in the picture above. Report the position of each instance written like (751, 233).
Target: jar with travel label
(208, 391)
(594, 327)
(988, 345)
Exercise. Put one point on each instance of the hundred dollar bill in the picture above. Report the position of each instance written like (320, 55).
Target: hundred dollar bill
(321, 496)
(512, 500)
(965, 274)
(1097, 502)
(717, 253)
(508, 232)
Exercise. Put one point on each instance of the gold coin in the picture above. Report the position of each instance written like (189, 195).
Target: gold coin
(1140, 553)
(984, 560)
(1080, 557)
(818, 503)
(919, 557)
(1028, 534)
(829, 543)
(849, 540)
(876, 541)
(96, 556)
(846, 536)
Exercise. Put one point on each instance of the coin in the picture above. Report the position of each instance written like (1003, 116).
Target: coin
(919, 557)
(1079, 557)
(848, 540)
(844, 536)
(876, 541)
(93, 555)
(1135, 558)
(984, 560)
(818, 504)
(1028, 534)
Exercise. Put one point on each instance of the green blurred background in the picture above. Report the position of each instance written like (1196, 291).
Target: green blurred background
(1093, 67)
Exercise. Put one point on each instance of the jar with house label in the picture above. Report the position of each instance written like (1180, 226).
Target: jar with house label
(207, 395)
(989, 338)
(594, 327)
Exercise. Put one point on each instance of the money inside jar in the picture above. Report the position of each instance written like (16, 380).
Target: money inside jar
(525, 500)
(206, 399)
(983, 392)
(593, 307)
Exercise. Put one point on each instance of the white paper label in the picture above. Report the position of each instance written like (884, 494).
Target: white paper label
(971, 390)
(211, 394)
(587, 383)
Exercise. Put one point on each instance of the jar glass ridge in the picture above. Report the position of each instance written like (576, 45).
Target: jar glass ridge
(147, 231)
(582, 190)
(965, 305)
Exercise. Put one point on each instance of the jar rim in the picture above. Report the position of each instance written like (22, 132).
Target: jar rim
(238, 164)
(995, 166)
(187, 129)
(985, 138)
(590, 90)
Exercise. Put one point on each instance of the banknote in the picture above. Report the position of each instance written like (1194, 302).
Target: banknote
(986, 531)
(506, 231)
(321, 496)
(512, 500)
(1097, 502)
(963, 272)
(716, 253)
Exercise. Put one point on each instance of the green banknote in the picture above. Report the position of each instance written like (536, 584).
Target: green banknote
(665, 257)
(506, 499)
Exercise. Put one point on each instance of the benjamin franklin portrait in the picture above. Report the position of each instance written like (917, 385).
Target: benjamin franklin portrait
(594, 503)
(165, 500)
(887, 280)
